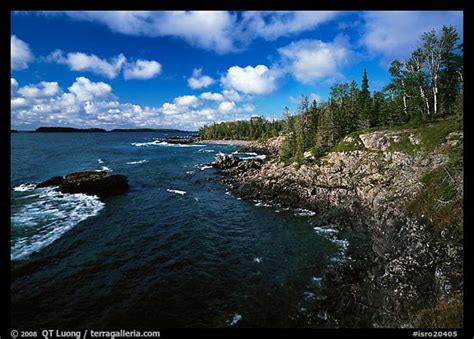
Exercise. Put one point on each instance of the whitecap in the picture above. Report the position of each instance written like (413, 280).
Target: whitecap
(49, 218)
(235, 319)
(262, 204)
(204, 167)
(325, 230)
(257, 260)
(206, 151)
(189, 172)
(136, 162)
(176, 191)
(100, 161)
(24, 187)
(304, 212)
(316, 280)
(309, 295)
(104, 168)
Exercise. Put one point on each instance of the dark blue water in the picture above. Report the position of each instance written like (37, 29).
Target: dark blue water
(155, 256)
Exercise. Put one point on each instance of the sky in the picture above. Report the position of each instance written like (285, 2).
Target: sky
(187, 69)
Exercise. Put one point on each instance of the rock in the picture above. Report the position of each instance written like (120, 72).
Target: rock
(54, 181)
(100, 183)
(225, 162)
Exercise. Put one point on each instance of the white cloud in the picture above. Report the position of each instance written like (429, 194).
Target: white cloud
(212, 96)
(271, 25)
(251, 80)
(43, 89)
(187, 100)
(395, 34)
(311, 60)
(21, 54)
(219, 31)
(78, 61)
(84, 89)
(227, 106)
(141, 69)
(197, 80)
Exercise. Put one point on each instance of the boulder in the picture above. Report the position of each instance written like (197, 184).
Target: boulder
(54, 181)
(225, 162)
(100, 183)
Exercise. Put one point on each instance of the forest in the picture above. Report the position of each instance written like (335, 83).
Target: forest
(425, 87)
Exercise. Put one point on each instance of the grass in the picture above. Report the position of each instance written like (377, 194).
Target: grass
(344, 146)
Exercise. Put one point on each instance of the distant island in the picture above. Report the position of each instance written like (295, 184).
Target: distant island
(67, 129)
(93, 130)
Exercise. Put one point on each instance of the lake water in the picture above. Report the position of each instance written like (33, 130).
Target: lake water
(176, 251)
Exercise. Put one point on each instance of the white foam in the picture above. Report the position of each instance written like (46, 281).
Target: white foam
(263, 204)
(176, 191)
(309, 295)
(316, 280)
(206, 151)
(24, 187)
(257, 260)
(48, 218)
(205, 167)
(325, 230)
(136, 162)
(235, 319)
(104, 168)
(304, 212)
(100, 161)
(189, 172)
(163, 143)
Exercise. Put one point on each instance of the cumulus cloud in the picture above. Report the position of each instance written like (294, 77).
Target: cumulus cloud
(21, 54)
(220, 31)
(310, 60)
(197, 80)
(227, 106)
(395, 34)
(251, 80)
(212, 96)
(89, 62)
(84, 89)
(111, 68)
(141, 69)
(92, 104)
(43, 89)
(187, 100)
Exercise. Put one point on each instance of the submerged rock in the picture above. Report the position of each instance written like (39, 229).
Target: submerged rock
(54, 181)
(100, 183)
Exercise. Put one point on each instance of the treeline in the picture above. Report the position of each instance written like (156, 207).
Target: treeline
(427, 86)
(253, 129)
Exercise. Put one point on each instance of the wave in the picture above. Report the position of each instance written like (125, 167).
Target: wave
(24, 187)
(104, 168)
(204, 167)
(163, 143)
(47, 219)
(257, 260)
(100, 161)
(136, 162)
(235, 319)
(176, 191)
(206, 151)
(343, 244)
(304, 212)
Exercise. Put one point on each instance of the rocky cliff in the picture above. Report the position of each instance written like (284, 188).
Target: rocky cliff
(397, 196)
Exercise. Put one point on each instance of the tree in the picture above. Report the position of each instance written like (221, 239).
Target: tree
(365, 103)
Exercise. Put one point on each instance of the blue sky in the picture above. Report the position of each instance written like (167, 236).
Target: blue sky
(186, 69)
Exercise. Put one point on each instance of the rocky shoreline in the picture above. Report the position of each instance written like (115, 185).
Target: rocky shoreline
(405, 271)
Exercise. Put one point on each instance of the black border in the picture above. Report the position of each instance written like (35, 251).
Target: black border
(9, 6)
